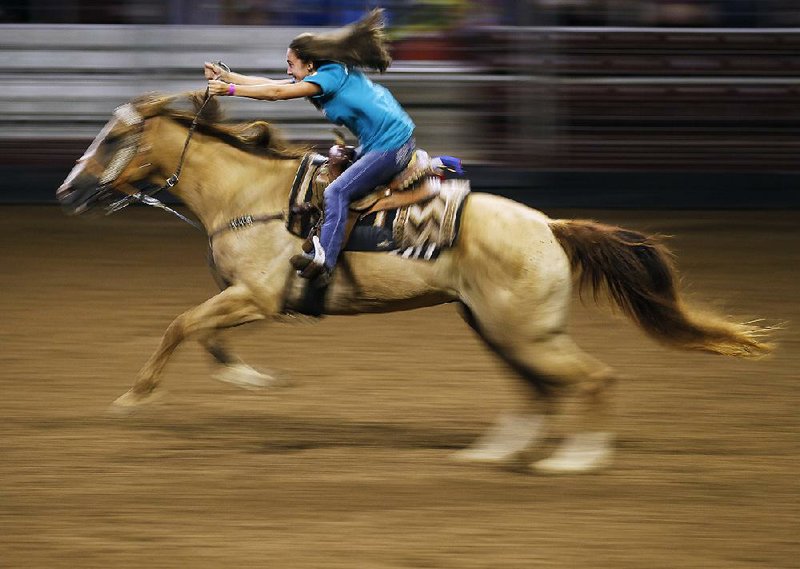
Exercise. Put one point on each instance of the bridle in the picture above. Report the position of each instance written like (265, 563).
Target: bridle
(128, 115)
(123, 157)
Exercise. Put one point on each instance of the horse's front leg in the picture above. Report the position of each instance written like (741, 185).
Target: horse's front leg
(231, 307)
(236, 372)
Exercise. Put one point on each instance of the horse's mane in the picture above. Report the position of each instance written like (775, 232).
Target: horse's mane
(257, 137)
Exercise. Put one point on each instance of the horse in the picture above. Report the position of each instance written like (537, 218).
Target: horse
(511, 271)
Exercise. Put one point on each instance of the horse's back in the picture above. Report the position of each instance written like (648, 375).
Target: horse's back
(490, 222)
(510, 265)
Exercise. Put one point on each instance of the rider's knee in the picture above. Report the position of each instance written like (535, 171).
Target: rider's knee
(331, 192)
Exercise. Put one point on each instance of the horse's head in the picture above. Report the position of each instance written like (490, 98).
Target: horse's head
(112, 164)
(129, 154)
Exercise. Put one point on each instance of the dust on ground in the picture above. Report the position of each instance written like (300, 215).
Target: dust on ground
(348, 465)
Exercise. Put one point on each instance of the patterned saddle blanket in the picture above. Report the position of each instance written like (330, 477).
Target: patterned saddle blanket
(417, 215)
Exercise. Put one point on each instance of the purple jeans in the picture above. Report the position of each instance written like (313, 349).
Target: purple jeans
(368, 171)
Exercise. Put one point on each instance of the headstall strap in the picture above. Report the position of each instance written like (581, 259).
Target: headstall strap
(128, 115)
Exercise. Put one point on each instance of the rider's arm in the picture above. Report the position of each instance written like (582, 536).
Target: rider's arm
(240, 79)
(214, 71)
(266, 91)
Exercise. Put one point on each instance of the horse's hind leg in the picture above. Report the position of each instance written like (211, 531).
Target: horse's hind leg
(232, 307)
(559, 371)
(553, 369)
(236, 372)
(517, 291)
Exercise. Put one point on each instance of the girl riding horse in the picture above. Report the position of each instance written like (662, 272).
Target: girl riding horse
(328, 70)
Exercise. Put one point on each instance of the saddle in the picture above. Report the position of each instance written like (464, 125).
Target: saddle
(417, 182)
(415, 214)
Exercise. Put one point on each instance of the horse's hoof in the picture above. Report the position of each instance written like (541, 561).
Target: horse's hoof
(472, 455)
(130, 401)
(582, 453)
(246, 377)
(552, 466)
(508, 439)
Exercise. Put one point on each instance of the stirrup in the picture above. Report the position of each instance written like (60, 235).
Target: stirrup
(310, 265)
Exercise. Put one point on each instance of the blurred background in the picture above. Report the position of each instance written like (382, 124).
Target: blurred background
(566, 103)
(672, 117)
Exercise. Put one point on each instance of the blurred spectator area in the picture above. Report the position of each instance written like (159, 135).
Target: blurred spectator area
(64, 81)
(634, 98)
(659, 13)
(410, 14)
(542, 98)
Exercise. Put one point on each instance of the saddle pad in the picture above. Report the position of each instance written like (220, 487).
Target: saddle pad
(417, 231)
(298, 221)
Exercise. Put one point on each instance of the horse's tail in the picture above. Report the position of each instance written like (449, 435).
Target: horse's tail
(638, 273)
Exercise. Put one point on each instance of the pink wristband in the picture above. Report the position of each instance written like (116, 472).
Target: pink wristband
(231, 89)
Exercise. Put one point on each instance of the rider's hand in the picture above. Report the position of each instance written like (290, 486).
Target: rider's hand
(212, 70)
(216, 87)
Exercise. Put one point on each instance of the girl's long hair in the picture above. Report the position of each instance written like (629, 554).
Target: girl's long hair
(362, 44)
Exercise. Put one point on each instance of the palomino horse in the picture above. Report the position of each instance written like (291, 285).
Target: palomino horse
(511, 272)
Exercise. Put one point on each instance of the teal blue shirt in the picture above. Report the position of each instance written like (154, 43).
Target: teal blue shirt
(368, 110)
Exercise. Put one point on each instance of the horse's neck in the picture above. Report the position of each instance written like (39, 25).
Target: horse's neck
(219, 182)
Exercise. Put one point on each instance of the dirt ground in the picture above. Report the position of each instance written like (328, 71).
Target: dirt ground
(347, 466)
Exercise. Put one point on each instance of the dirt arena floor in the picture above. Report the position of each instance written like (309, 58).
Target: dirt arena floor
(347, 466)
